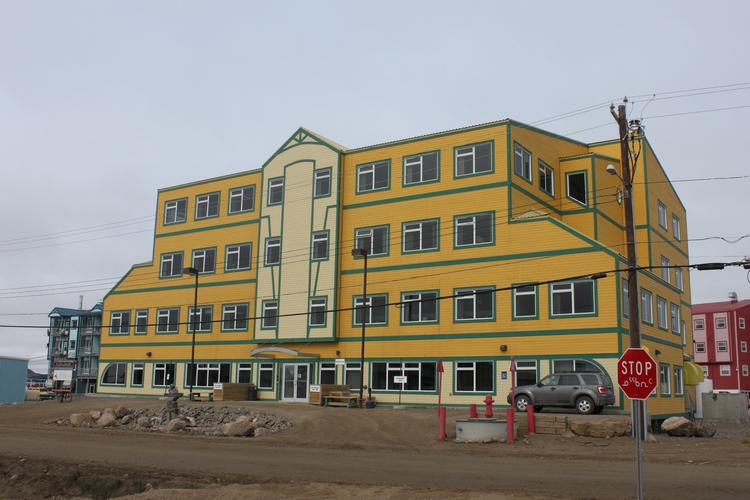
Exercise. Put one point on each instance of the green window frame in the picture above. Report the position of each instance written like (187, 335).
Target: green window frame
(373, 176)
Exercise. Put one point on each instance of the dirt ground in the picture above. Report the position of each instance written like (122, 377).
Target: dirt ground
(338, 453)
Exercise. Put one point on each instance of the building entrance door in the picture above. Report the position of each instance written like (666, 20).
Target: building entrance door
(296, 381)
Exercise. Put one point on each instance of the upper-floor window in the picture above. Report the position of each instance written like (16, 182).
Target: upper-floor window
(421, 168)
(473, 304)
(522, 164)
(373, 239)
(678, 380)
(374, 309)
(120, 323)
(625, 298)
(664, 379)
(320, 246)
(676, 227)
(662, 211)
(167, 320)
(665, 269)
(275, 191)
(675, 315)
(546, 178)
(474, 230)
(322, 182)
(698, 324)
(678, 278)
(742, 323)
(419, 307)
(270, 314)
(205, 260)
(647, 306)
(201, 319)
(141, 322)
(661, 312)
(207, 205)
(576, 184)
(273, 251)
(700, 347)
(175, 211)
(241, 199)
(721, 346)
(474, 159)
(743, 346)
(238, 257)
(576, 297)
(721, 323)
(171, 264)
(524, 301)
(420, 236)
(234, 317)
(372, 176)
(318, 311)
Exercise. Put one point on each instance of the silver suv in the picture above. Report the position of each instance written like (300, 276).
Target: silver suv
(585, 391)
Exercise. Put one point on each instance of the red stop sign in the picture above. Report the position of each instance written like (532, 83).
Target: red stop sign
(636, 374)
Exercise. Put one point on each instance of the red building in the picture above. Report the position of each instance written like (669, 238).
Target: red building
(720, 338)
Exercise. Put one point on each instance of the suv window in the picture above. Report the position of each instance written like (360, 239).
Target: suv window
(550, 380)
(590, 379)
(569, 379)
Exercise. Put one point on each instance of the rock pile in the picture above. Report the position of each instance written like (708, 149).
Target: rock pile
(205, 420)
(680, 426)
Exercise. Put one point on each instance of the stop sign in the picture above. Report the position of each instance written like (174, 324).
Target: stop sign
(636, 373)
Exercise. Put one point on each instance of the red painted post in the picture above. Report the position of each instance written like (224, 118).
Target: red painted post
(441, 418)
(510, 421)
(472, 411)
(532, 424)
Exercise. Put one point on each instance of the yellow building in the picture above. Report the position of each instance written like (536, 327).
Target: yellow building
(481, 245)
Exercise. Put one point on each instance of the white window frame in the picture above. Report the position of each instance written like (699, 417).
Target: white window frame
(721, 323)
(474, 224)
(119, 323)
(419, 302)
(585, 192)
(420, 171)
(244, 373)
(412, 370)
(270, 314)
(330, 370)
(204, 320)
(175, 211)
(674, 313)
(678, 279)
(137, 369)
(572, 288)
(523, 293)
(743, 346)
(722, 346)
(272, 256)
(207, 206)
(698, 324)
(174, 263)
(162, 373)
(678, 384)
(353, 369)
(665, 379)
(744, 370)
(665, 274)
(466, 159)
(522, 163)
(700, 347)
(322, 183)
(662, 215)
(317, 316)
(676, 227)
(366, 238)
(234, 317)
(375, 302)
(168, 320)
(275, 191)
(242, 199)
(414, 232)
(625, 297)
(319, 250)
(141, 322)
(471, 366)
(204, 260)
(234, 261)
(741, 322)
(661, 313)
(367, 177)
(647, 306)
(546, 178)
(474, 297)
(725, 370)
(265, 374)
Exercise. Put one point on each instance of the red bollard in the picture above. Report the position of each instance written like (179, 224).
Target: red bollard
(530, 414)
(488, 406)
(472, 411)
(441, 418)
(511, 425)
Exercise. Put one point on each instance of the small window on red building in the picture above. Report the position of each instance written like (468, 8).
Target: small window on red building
(721, 323)
(699, 324)
(721, 346)
(742, 323)
(700, 347)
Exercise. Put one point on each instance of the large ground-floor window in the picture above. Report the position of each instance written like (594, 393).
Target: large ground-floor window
(525, 373)
(420, 376)
(207, 374)
(474, 376)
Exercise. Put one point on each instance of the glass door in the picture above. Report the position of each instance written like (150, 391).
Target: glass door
(296, 382)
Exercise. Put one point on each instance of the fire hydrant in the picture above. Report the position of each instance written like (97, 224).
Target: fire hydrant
(488, 402)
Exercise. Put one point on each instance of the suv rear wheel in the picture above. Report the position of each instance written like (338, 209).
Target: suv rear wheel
(522, 402)
(585, 405)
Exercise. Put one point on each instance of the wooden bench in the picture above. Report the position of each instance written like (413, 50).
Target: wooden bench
(202, 399)
(340, 398)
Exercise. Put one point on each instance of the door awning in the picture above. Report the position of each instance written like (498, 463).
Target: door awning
(693, 373)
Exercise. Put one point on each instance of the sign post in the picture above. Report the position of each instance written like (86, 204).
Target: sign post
(636, 376)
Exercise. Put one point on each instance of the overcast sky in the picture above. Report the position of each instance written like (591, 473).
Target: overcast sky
(104, 103)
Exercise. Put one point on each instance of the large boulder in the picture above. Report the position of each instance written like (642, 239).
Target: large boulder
(705, 428)
(95, 414)
(678, 426)
(121, 411)
(240, 428)
(107, 420)
(109, 411)
(144, 422)
(599, 427)
(176, 424)
(78, 419)
(126, 419)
